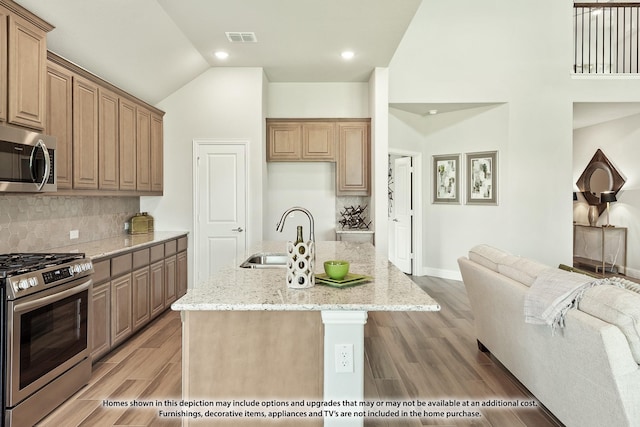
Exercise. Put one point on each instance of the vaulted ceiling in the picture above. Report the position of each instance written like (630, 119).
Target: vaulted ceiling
(151, 48)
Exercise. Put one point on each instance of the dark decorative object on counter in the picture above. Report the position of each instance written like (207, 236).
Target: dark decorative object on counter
(353, 218)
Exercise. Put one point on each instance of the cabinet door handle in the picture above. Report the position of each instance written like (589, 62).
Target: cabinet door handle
(239, 229)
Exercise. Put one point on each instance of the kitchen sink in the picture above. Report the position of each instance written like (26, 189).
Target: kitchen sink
(265, 260)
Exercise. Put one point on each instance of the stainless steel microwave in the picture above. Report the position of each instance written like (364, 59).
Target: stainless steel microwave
(27, 161)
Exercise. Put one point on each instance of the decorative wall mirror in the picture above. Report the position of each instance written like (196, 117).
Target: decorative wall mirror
(599, 175)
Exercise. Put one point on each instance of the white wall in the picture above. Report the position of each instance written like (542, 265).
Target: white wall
(310, 185)
(516, 53)
(379, 107)
(221, 103)
(618, 139)
(322, 100)
(453, 229)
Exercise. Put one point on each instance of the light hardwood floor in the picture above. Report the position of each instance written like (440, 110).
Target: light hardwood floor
(147, 367)
(408, 355)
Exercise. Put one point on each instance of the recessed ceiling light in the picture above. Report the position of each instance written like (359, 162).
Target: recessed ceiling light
(221, 54)
(347, 54)
(432, 112)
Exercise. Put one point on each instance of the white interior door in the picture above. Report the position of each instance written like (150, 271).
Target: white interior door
(221, 206)
(402, 214)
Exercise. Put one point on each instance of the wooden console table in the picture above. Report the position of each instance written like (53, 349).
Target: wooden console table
(601, 249)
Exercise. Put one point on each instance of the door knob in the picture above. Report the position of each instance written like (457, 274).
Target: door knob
(239, 229)
(395, 219)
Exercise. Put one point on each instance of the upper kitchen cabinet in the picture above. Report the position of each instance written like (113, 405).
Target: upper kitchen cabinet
(4, 58)
(353, 159)
(295, 140)
(127, 145)
(23, 66)
(108, 134)
(59, 121)
(85, 134)
(318, 141)
(284, 141)
(157, 147)
(109, 143)
(149, 151)
(143, 149)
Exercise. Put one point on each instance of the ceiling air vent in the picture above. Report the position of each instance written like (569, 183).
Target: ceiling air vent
(241, 37)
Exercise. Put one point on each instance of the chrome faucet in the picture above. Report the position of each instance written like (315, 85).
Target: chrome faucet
(280, 226)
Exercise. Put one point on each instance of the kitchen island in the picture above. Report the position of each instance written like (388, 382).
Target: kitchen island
(248, 337)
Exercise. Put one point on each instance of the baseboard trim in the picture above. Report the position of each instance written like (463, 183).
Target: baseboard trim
(632, 272)
(442, 274)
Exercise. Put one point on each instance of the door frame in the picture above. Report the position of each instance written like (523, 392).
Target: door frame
(200, 142)
(416, 203)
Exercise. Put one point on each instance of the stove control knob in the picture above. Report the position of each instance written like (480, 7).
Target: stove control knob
(33, 281)
(23, 284)
(76, 268)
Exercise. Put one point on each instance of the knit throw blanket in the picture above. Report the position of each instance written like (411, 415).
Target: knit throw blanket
(553, 294)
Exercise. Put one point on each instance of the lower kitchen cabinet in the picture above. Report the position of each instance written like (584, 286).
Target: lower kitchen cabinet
(170, 269)
(101, 320)
(156, 291)
(121, 324)
(131, 289)
(141, 294)
(182, 273)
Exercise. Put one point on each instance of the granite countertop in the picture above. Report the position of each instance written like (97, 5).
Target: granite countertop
(247, 289)
(114, 245)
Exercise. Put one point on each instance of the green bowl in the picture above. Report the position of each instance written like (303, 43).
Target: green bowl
(336, 270)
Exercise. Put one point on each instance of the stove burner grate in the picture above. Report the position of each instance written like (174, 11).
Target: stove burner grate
(18, 263)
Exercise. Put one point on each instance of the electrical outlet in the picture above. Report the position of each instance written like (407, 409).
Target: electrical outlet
(344, 358)
(74, 234)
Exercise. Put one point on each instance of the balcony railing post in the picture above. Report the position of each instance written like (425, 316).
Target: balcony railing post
(593, 53)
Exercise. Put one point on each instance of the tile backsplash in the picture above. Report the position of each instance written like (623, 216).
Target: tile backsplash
(32, 223)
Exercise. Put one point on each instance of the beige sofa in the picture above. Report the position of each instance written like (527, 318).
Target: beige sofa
(587, 373)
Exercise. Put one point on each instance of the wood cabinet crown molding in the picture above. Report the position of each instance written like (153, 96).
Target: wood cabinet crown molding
(76, 69)
(27, 15)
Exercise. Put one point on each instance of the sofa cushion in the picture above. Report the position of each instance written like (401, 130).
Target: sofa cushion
(489, 256)
(523, 270)
(617, 306)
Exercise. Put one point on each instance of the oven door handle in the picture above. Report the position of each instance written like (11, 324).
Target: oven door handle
(41, 302)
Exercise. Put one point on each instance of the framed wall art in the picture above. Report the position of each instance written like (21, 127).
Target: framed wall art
(446, 179)
(482, 178)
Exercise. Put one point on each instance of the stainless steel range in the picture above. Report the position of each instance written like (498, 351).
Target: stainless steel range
(44, 346)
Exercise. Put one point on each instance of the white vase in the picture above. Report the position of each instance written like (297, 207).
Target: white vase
(301, 265)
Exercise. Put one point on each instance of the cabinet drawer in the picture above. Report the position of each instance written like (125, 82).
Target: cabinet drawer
(157, 253)
(102, 271)
(182, 244)
(120, 265)
(170, 248)
(140, 258)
